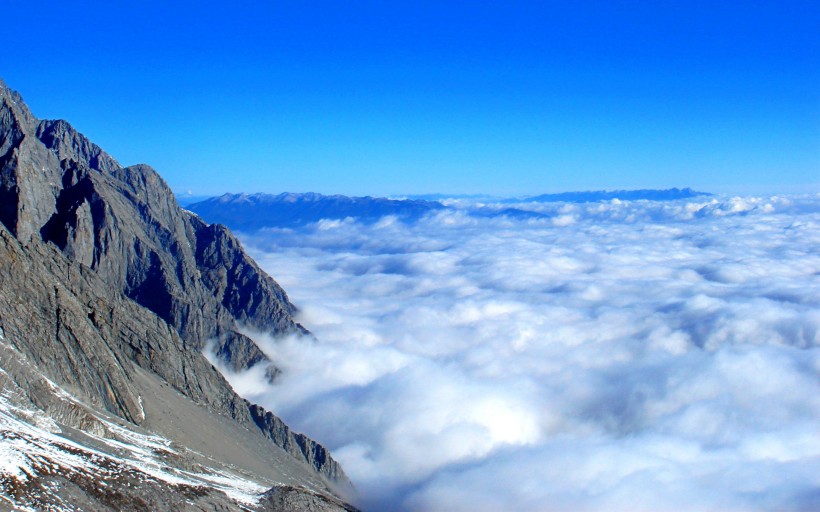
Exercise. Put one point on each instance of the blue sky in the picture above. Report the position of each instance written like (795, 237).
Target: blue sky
(366, 97)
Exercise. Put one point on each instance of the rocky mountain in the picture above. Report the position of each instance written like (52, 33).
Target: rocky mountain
(247, 212)
(109, 292)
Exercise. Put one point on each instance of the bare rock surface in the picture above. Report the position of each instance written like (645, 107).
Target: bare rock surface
(284, 498)
(108, 294)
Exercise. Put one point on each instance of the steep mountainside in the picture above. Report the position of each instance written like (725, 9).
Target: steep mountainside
(108, 294)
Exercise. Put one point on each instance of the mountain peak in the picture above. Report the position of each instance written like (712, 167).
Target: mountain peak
(69, 144)
(12, 110)
(109, 294)
(5, 90)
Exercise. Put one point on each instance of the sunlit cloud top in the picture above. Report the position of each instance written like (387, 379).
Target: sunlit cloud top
(607, 356)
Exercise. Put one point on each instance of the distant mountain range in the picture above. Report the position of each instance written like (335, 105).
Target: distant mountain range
(589, 196)
(253, 211)
(592, 196)
(249, 212)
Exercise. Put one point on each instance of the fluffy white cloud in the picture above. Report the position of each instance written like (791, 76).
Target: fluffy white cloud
(608, 356)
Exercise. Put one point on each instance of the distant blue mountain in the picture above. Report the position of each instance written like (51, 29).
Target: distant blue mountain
(510, 213)
(246, 212)
(442, 197)
(249, 212)
(592, 196)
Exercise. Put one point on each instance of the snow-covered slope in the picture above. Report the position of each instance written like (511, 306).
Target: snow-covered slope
(109, 463)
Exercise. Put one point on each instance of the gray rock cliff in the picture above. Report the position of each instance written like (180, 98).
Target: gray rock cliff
(109, 291)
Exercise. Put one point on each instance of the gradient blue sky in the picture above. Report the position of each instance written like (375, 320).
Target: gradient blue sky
(367, 97)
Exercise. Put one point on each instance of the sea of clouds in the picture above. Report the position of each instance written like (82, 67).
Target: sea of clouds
(641, 356)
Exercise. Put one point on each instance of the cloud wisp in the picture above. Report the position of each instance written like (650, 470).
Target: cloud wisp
(604, 356)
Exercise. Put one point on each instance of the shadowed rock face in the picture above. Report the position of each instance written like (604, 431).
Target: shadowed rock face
(103, 278)
(283, 499)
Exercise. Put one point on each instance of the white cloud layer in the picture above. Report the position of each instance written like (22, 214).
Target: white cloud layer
(643, 356)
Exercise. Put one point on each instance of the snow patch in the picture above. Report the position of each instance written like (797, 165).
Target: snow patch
(30, 445)
(142, 409)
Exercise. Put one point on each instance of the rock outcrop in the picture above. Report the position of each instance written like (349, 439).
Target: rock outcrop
(111, 291)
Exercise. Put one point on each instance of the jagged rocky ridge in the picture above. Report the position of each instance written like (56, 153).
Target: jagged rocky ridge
(109, 292)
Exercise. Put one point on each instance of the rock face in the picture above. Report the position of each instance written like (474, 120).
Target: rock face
(109, 291)
(284, 499)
